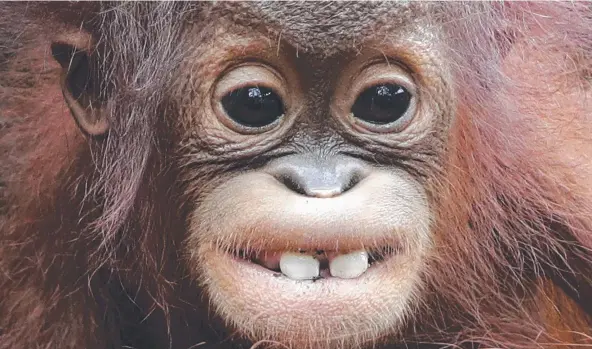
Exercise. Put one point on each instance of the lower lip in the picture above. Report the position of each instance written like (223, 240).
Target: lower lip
(260, 303)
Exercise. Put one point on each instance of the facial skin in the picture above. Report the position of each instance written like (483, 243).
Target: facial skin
(324, 179)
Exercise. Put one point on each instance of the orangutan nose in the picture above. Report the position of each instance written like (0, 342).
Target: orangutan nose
(318, 177)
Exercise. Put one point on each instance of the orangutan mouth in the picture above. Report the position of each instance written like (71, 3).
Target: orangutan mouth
(318, 263)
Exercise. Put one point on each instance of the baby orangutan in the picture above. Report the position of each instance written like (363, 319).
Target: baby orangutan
(307, 175)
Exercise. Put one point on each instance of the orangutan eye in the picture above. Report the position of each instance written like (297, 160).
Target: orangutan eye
(253, 106)
(382, 104)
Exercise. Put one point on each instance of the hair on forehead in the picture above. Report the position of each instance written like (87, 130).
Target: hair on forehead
(322, 27)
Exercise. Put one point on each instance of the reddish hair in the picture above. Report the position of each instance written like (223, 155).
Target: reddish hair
(512, 263)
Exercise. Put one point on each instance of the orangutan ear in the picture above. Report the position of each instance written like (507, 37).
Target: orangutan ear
(80, 82)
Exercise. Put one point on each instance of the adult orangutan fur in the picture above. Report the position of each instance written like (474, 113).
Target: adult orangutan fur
(94, 229)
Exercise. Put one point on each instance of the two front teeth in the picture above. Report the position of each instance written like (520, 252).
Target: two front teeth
(298, 266)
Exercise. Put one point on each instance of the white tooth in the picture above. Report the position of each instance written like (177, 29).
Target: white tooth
(299, 266)
(349, 266)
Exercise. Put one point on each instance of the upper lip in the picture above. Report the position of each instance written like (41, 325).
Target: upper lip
(271, 218)
(252, 248)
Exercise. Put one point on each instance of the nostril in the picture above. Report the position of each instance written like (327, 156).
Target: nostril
(291, 183)
(353, 181)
